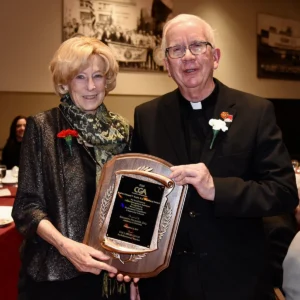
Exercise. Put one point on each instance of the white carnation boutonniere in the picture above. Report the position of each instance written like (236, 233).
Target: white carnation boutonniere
(217, 125)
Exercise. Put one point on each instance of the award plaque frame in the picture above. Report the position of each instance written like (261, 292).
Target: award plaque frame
(135, 214)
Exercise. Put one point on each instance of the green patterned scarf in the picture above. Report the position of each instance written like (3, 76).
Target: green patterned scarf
(107, 132)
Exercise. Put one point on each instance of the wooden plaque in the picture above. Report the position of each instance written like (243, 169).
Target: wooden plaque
(135, 214)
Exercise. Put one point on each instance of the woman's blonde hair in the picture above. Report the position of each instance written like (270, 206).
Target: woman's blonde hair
(74, 54)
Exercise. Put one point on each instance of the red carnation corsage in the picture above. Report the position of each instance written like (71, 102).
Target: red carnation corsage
(68, 135)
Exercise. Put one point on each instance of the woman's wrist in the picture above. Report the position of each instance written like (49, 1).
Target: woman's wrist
(50, 234)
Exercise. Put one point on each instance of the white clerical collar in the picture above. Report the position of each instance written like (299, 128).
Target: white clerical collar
(196, 105)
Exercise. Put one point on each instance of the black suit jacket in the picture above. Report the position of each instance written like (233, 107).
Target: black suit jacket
(253, 178)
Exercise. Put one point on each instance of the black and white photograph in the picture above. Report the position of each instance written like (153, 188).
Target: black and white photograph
(278, 48)
(131, 28)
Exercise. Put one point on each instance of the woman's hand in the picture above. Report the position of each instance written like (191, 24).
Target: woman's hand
(85, 258)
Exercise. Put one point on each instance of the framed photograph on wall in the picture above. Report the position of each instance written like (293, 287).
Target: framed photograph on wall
(131, 28)
(278, 48)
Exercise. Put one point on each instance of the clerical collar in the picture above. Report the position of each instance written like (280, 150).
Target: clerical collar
(207, 104)
(196, 105)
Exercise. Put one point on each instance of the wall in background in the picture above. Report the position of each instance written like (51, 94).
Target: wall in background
(31, 32)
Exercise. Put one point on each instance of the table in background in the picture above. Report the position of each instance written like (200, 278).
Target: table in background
(10, 241)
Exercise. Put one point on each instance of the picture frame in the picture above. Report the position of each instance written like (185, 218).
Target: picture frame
(131, 28)
(278, 48)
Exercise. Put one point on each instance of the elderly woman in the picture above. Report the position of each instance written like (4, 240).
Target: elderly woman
(64, 150)
(11, 150)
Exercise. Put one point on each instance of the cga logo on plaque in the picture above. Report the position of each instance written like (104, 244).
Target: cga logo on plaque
(135, 214)
(140, 191)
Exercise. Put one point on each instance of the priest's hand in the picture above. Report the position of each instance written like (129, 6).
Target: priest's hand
(126, 278)
(198, 176)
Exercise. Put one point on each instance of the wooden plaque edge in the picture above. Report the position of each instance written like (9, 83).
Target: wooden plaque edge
(166, 262)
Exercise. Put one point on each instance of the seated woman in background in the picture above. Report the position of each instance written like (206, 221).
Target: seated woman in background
(63, 152)
(11, 150)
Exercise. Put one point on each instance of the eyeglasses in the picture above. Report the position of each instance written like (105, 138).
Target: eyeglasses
(179, 51)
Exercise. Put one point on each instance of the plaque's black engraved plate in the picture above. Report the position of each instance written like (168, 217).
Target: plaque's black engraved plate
(135, 211)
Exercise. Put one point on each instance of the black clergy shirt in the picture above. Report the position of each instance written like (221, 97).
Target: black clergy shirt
(195, 123)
